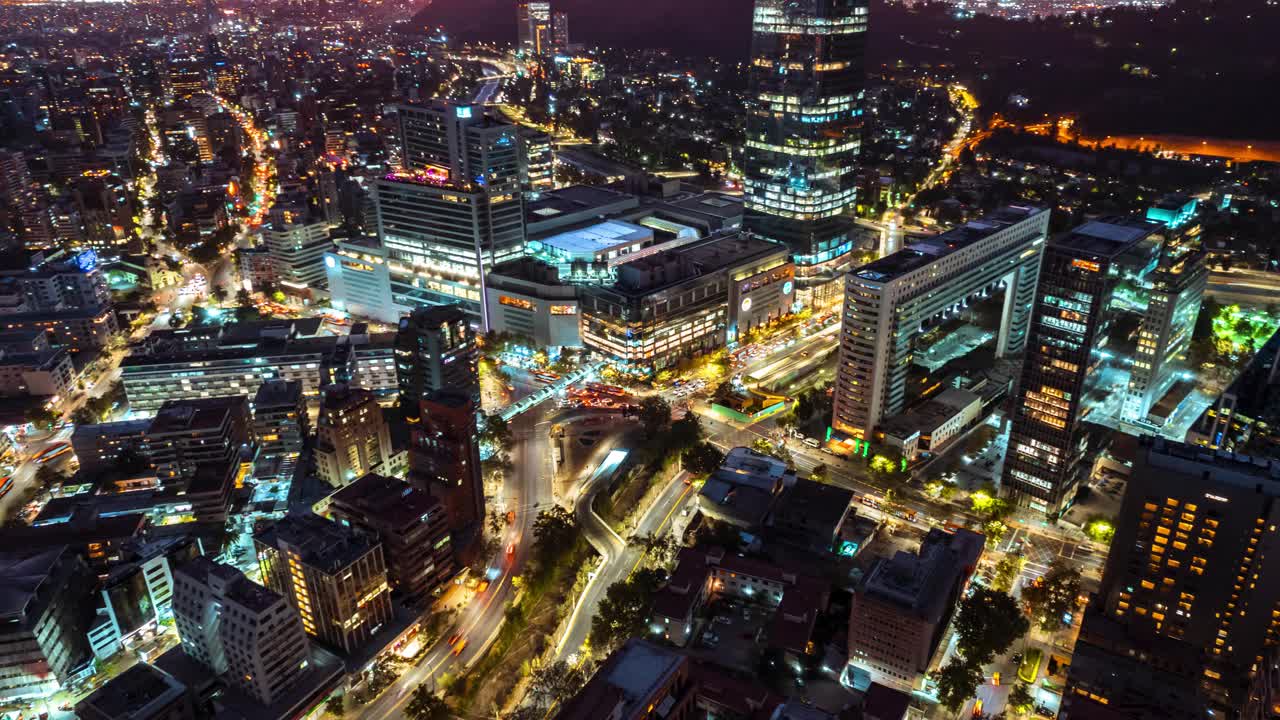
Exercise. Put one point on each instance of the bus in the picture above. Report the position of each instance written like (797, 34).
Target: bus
(51, 452)
(6, 485)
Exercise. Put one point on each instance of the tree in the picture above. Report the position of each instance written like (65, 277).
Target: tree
(426, 705)
(655, 414)
(957, 682)
(1007, 571)
(219, 293)
(684, 433)
(243, 298)
(1053, 595)
(554, 530)
(497, 432)
(553, 683)
(48, 477)
(624, 609)
(764, 447)
(43, 417)
(703, 458)
(660, 549)
(987, 624)
(1020, 699)
(333, 706)
(818, 473)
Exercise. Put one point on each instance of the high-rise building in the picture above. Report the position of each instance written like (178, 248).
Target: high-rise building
(412, 525)
(280, 424)
(902, 607)
(455, 210)
(44, 616)
(186, 435)
(535, 33)
(1070, 324)
(444, 456)
(1194, 559)
(890, 302)
(560, 31)
(333, 575)
(435, 350)
(185, 78)
(803, 133)
(537, 160)
(238, 629)
(352, 437)
(297, 239)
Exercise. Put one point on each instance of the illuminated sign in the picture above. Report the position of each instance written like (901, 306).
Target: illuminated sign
(515, 302)
(329, 261)
(86, 260)
(746, 304)
(1219, 498)
(787, 287)
(463, 112)
(564, 310)
(848, 548)
(1086, 265)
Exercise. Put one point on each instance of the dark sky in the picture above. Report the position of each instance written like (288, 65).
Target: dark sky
(688, 27)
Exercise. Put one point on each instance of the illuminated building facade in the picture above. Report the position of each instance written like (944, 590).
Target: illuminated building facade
(333, 575)
(297, 240)
(238, 629)
(527, 298)
(43, 642)
(444, 458)
(359, 278)
(435, 350)
(535, 34)
(1064, 357)
(687, 300)
(455, 210)
(280, 425)
(803, 133)
(891, 301)
(1193, 559)
(352, 438)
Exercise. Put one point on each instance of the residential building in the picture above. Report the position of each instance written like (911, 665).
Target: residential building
(687, 300)
(333, 575)
(297, 239)
(186, 436)
(891, 301)
(813, 516)
(435, 350)
(44, 616)
(56, 281)
(537, 161)
(1071, 320)
(143, 692)
(744, 489)
(412, 525)
(456, 210)
(902, 607)
(47, 373)
(639, 680)
(1191, 555)
(803, 134)
(257, 267)
(79, 329)
(137, 594)
(238, 630)
(527, 299)
(444, 458)
(280, 424)
(352, 438)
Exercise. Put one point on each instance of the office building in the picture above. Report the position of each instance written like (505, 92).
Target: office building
(1071, 318)
(78, 330)
(535, 33)
(185, 77)
(1173, 294)
(455, 210)
(143, 692)
(333, 575)
(435, 350)
(182, 436)
(688, 300)
(527, 299)
(280, 424)
(902, 607)
(891, 301)
(1192, 558)
(537, 160)
(297, 239)
(44, 616)
(444, 457)
(237, 629)
(803, 134)
(931, 426)
(352, 437)
(639, 680)
(137, 594)
(236, 359)
(56, 281)
(412, 525)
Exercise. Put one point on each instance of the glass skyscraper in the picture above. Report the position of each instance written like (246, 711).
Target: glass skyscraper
(803, 133)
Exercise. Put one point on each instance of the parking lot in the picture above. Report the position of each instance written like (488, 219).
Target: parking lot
(728, 631)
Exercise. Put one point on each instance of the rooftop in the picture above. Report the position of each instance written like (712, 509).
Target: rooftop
(573, 200)
(22, 572)
(630, 677)
(1254, 474)
(920, 583)
(671, 267)
(235, 586)
(278, 393)
(196, 414)
(1106, 237)
(137, 692)
(598, 237)
(936, 247)
(320, 543)
(385, 500)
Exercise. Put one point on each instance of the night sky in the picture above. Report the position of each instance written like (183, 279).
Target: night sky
(688, 27)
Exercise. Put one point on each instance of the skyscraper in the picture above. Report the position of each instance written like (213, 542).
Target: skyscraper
(803, 133)
(435, 350)
(535, 35)
(1070, 321)
(455, 210)
(444, 459)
